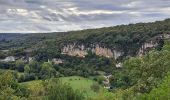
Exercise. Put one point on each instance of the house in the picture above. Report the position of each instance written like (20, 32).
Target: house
(119, 65)
(57, 61)
(27, 59)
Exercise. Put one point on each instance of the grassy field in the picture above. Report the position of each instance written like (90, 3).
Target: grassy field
(80, 83)
(76, 82)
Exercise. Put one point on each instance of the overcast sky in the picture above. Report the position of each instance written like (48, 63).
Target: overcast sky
(64, 15)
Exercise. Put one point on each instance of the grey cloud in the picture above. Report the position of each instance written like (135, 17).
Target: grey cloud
(65, 15)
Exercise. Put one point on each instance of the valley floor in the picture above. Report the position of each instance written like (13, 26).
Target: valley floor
(76, 82)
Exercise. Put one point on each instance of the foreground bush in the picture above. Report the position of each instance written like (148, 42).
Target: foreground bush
(59, 91)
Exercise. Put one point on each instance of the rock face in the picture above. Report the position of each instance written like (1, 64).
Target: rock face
(82, 51)
(117, 54)
(154, 42)
(74, 50)
(146, 47)
(27, 59)
(102, 51)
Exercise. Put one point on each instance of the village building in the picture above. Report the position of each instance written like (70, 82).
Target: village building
(119, 65)
(57, 61)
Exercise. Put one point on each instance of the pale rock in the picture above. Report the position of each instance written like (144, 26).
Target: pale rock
(146, 46)
(81, 51)
(57, 61)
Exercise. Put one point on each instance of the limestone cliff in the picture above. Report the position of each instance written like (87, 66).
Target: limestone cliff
(102, 51)
(74, 50)
(146, 47)
(82, 51)
(154, 42)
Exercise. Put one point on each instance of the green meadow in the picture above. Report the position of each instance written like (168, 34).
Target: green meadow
(76, 82)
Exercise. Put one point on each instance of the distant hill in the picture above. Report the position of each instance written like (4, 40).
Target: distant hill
(125, 38)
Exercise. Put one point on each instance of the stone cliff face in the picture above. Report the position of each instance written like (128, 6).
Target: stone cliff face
(154, 42)
(102, 51)
(74, 50)
(82, 51)
(117, 54)
(146, 47)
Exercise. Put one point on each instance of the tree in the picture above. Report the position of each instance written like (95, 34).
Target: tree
(20, 65)
(159, 93)
(47, 70)
(59, 91)
(100, 79)
(146, 72)
(95, 87)
(103, 95)
(34, 67)
(10, 89)
(27, 69)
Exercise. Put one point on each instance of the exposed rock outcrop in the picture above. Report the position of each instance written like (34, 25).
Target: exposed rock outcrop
(117, 54)
(154, 42)
(74, 50)
(146, 47)
(102, 51)
(82, 51)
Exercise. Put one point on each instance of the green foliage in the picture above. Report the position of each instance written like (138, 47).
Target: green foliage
(159, 93)
(34, 66)
(141, 76)
(147, 71)
(38, 88)
(20, 65)
(84, 66)
(80, 83)
(10, 89)
(47, 70)
(7, 65)
(100, 79)
(2, 55)
(103, 95)
(60, 91)
(95, 87)
(27, 69)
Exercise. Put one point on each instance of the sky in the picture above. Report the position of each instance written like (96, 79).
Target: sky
(34, 16)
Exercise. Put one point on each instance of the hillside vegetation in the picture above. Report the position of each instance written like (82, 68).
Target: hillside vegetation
(127, 38)
(32, 66)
